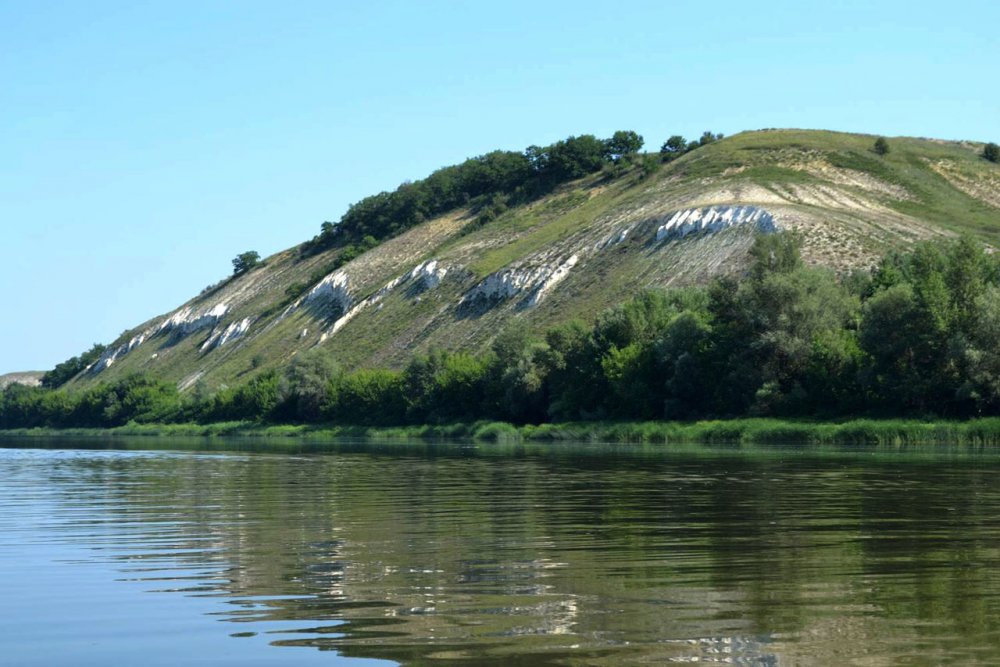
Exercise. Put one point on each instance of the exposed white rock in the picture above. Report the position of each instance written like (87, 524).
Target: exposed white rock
(182, 322)
(713, 219)
(186, 320)
(429, 274)
(534, 282)
(112, 354)
(334, 289)
(554, 278)
(233, 331)
(27, 379)
(613, 239)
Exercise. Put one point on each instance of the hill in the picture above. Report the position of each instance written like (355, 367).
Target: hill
(457, 279)
(26, 378)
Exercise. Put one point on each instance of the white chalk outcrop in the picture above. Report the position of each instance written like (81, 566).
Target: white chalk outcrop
(531, 282)
(233, 331)
(335, 289)
(713, 219)
(187, 320)
(615, 238)
(181, 323)
(112, 354)
(428, 274)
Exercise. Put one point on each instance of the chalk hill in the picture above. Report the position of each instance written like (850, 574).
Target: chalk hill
(455, 281)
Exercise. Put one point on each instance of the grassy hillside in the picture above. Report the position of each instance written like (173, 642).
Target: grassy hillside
(579, 249)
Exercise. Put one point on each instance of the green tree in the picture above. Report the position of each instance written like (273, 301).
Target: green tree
(621, 143)
(775, 253)
(515, 378)
(708, 138)
(245, 261)
(982, 356)
(675, 145)
(991, 152)
(881, 146)
(67, 370)
(304, 389)
(368, 396)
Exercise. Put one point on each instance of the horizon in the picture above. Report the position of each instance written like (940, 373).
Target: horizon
(148, 146)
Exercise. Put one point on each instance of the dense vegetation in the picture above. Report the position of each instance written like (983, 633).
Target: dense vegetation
(914, 337)
(498, 178)
(67, 370)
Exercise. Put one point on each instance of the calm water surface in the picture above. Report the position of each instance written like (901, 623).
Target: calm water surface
(558, 555)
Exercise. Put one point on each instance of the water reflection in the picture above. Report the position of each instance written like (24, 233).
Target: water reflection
(535, 556)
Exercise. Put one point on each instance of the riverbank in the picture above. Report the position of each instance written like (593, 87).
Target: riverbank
(976, 432)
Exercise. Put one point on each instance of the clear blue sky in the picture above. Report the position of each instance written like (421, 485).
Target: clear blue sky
(144, 144)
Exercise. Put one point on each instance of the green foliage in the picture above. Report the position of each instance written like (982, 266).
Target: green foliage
(369, 397)
(675, 145)
(254, 400)
(707, 138)
(881, 146)
(245, 261)
(981, 355)
(622, 142)
(481, 181)
(303, 390)
(916, 337)
(135, 398)
(67, 370)
(775, 253)
(444, 386)
(991, 152)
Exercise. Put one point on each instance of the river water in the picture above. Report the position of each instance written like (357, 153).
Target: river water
(421, 554)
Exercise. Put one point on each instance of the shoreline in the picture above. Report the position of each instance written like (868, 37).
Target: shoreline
(984, 432)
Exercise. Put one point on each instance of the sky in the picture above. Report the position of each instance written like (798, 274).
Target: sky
(143, 145)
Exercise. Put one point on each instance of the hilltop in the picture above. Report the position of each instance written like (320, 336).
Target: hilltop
(569, 251)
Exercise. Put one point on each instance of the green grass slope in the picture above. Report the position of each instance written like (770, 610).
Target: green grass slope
(582, 248)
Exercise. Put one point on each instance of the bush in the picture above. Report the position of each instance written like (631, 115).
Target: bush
(245, 261)
(881, 146)
(991, 152)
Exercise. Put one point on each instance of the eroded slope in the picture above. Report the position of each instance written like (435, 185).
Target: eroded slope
(454, 283)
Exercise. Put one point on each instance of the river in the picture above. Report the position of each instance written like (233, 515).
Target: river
(234, 553)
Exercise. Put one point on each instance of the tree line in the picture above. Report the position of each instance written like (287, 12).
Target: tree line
(916, 336)
(515, 177)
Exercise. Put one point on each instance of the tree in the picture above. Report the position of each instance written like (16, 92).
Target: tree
(775, 253)
(991, 152)
(245, 261)
(707, 137)
(67, 370)
(675, 145)
(303, 391)
(574, 157)
(623, 142)
(881, 146)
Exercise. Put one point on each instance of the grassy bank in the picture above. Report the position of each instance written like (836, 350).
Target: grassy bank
(976, 432)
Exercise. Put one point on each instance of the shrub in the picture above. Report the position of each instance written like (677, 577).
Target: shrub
(991, 152)
(245, 261)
